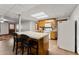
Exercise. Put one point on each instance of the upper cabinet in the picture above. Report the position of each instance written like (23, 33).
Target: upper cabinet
(41, 23)
(47, 23)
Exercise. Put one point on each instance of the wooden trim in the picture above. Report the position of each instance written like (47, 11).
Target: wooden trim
(63, 20)
(47, 19)
(75, 36)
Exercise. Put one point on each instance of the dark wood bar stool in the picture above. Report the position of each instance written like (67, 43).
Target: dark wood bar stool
(25, 39)
(17, 40)
(35, 45)
(26, 43)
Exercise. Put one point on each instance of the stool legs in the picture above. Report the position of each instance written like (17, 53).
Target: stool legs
(27, 51)
(16, 48)
(37, 50)
(22, 48)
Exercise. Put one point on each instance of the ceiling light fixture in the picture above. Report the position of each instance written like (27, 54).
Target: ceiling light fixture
(40, 15)
(2, 21)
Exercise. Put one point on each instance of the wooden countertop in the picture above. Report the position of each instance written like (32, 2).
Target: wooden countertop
(35, 35)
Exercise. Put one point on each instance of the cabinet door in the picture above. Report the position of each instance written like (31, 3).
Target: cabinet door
(53, 35)
(41, 24)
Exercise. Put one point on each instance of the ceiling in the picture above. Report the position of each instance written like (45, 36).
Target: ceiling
(11, 11)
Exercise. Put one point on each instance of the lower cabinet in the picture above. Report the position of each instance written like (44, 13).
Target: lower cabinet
(53, 35)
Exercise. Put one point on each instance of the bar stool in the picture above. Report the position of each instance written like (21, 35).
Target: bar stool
(34, 44)
(16, 41)
(26, 43)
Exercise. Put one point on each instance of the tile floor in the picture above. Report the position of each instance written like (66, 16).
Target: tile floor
(54, 50)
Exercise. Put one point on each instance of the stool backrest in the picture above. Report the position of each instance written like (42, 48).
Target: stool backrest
(24, 37)
(14, 34)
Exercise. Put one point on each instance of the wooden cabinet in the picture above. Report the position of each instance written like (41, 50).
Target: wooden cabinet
(41, 23)
(41, 26)
(53, 35)
(43, 46)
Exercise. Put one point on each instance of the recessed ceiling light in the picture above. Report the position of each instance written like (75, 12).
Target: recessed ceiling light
(40, 15)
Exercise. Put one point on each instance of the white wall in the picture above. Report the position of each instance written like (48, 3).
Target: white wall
(4, 28)
(0, 28)
(27, 26)
(32, 25)
(66, 35)
(75, 16)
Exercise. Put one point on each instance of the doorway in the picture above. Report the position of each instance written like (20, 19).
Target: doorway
(11, 28)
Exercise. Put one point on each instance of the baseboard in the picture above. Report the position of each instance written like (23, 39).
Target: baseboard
(68, 50)
(78, 51)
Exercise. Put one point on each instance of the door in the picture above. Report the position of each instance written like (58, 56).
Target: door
(11, 28)
(66, 35)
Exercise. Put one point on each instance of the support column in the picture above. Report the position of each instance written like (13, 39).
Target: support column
(19, 17)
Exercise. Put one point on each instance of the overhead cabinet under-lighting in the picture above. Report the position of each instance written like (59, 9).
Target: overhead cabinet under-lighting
(47, 27)
(47, 24)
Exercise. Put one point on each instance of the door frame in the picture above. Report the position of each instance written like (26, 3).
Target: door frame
(12, 29)
(76, 36)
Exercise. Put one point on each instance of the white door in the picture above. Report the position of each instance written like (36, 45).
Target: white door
(66, 35)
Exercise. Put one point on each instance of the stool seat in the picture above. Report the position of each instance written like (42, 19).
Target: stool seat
(18, 40)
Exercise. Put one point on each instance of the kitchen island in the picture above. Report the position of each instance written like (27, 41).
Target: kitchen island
(41, 38)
